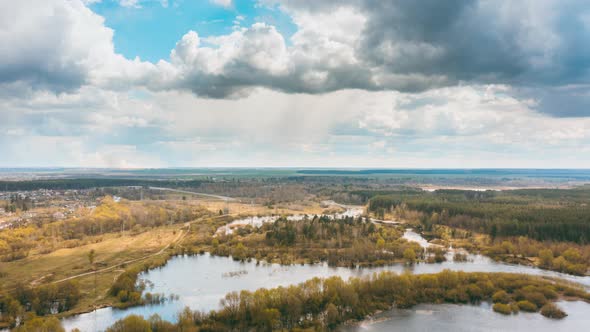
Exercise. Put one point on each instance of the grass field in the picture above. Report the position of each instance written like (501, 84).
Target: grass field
(114, 249)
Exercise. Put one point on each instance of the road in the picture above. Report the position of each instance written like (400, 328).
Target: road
(225, 198)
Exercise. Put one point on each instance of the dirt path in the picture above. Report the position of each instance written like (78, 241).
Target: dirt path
(176, 240)
(225, 198)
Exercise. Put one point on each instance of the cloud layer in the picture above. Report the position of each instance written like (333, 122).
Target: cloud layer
(366, 83)
(387, 45)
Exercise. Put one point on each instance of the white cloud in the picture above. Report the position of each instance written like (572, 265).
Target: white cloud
(130, 3)
(346, 46)
(223, 3)
(480, 126)
(59, 46)
(485, 114)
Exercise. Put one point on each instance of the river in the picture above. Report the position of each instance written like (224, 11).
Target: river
(467, 318)
(200, 281)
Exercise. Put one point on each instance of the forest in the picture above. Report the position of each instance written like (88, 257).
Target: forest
(541, 214)
(69, 184)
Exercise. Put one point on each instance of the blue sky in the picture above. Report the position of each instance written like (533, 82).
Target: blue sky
(150, 30)
(295, 83)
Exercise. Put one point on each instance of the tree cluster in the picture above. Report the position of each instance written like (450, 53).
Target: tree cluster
(108, 217)
(324, 304)
(42, 300)
(343, 241)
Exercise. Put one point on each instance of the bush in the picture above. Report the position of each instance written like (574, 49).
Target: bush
(537, 298)
(549, 293)
(576, 269)
(550, 310)
(502, 308)
(41, 324)
(527, 306)
(131, 323)
(409, 256)
(501, 297)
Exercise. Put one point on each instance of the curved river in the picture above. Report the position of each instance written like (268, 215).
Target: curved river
(201, 281)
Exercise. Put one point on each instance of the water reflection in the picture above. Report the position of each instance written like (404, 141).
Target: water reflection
(201, 281)
(452, 317)
(257, 221)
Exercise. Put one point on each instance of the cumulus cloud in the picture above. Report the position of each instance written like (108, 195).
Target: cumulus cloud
(393, 45)
(399, 45)
(243, 59)
(52, 44)
(60, 46)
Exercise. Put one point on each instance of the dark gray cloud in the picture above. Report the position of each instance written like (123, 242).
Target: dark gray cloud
(565, 101)
(403, 45)
(539, 46)
(38, 75)
(534, 42)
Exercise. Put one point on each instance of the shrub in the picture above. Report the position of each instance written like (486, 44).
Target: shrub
(537, 298)
(550, 310)
(545, 258)
(527, 306)
(549, 293)
(131, 323)
(501, 297)
(410, 256)
(502, 308)
(576, 269)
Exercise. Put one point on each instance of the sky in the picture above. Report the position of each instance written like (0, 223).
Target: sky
(295, 83)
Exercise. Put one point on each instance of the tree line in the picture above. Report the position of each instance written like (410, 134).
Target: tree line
(542, 214)
(325, 304)
(88, 183)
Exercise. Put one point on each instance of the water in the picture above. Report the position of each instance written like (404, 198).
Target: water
(458, 318)
(201, 281)
(410, 235)
(256, 221)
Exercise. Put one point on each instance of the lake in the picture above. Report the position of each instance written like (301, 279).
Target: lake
(201, 281)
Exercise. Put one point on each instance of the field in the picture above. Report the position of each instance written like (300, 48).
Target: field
(113, 251)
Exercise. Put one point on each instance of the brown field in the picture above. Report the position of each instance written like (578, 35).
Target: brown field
(113, 249)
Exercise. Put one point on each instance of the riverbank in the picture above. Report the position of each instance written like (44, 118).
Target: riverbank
(339, 301)
(202, 280)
